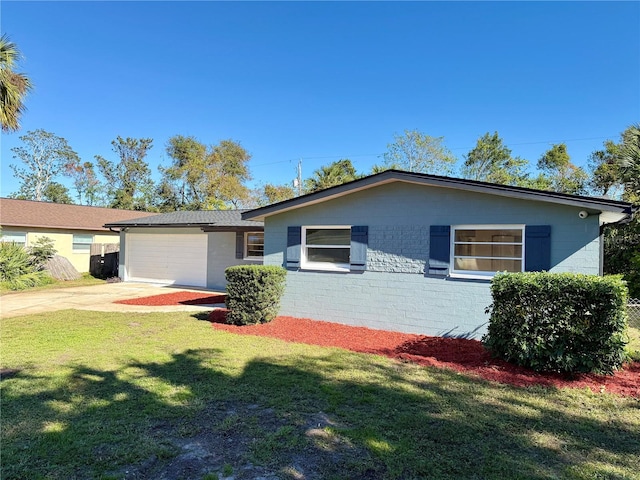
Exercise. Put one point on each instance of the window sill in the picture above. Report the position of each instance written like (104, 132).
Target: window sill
(325, 267)
(473, 276)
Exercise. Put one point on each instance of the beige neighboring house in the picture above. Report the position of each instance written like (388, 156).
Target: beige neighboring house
(73, 228)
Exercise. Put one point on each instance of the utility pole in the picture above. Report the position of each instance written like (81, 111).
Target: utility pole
(297, 182)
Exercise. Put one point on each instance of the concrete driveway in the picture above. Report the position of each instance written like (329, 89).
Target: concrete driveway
(96, 297)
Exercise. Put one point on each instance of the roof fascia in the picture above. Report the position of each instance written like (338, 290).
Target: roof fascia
(52, 227)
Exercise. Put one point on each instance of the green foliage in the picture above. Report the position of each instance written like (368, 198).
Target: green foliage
(559, 173)
(605, 169)
(253, 293)
(44, 156)
(622, 253)
(18, 268)
(41, 251)
(331, 175)
(57, 193)
(14, 261)
(558, 322)
(128, 182)
(85, 182)
(204, 178)
(629, 160)
(416, 152)
(14, 86)
(270, 193)
(491, 161)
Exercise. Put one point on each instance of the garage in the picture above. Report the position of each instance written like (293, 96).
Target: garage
(191, 248)
(172, 258)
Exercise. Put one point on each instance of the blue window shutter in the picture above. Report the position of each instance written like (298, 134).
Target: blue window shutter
(294, 242)
(359, 242)
(439, 249)
(537, 248)
(239, 244)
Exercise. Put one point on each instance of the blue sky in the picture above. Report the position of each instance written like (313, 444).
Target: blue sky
(324, 81)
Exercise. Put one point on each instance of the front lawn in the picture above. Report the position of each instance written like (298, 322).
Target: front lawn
(96, 395)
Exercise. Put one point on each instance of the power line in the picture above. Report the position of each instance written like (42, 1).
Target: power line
(377, 155)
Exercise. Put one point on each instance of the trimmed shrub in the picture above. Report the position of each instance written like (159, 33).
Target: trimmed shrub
(559, 322)
(253, 293)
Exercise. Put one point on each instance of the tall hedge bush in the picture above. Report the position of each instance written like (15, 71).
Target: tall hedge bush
(559, 322)
(253, 293)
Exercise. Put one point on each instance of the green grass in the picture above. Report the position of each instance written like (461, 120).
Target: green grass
(85, 281)
(95, 395)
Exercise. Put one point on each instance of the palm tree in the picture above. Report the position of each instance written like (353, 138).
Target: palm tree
(331, 175)
(13, 86)
(629, 157)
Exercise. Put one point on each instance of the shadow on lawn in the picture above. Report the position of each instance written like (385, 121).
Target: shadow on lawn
(336, 416)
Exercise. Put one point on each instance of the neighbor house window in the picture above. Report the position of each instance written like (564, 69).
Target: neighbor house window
(18, 238)
(82, 243)
(254, 245)
(326, 248)
(482, 250)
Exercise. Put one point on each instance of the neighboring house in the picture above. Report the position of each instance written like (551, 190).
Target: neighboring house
(73, 228)
(188, 248)
(416, 253)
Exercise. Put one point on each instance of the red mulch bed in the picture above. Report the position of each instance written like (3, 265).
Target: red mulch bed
(461, 355)
(175, 298)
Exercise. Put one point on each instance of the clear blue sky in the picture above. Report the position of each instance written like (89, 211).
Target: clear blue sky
(324, 81)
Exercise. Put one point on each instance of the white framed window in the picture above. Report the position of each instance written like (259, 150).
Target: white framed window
(326, 248)
(19, 238)
(254, 245)
(82, 243)
(480, 251)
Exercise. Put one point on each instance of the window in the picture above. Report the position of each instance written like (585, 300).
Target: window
(326, 248)
(18, 238)
(479, 251)
(82, 243)
(254, 245)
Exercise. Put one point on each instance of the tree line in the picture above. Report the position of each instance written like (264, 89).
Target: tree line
(205, 177)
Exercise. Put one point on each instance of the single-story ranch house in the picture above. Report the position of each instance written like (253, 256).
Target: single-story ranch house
(73, 228)
(187, 248)
(415, 253)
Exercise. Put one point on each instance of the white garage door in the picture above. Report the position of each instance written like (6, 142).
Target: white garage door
(179, 259)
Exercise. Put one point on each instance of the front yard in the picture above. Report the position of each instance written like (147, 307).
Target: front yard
(95, 395)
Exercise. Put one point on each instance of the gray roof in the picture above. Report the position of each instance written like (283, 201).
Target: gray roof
(610, 210)
(201, 218)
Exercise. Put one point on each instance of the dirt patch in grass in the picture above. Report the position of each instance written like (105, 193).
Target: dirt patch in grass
(461, 355)
(176, 298)
(252, 442)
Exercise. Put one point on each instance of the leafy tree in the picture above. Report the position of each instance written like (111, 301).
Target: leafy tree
(622, 242)
(629, 160)
(275, 193)
(14, 86)
(491, 161)
(57, 193)
(204, 178)
(45, 156)
(559, 173)
(605, 169)
(416, 152)
(86, 182)
(336, 173)
(128, 182)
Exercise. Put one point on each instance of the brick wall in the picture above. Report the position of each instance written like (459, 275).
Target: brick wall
(394, 293)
